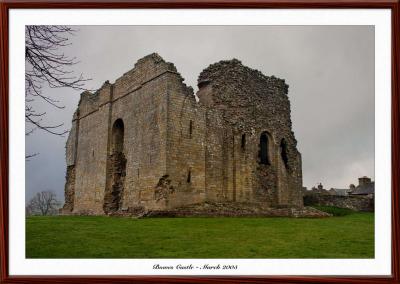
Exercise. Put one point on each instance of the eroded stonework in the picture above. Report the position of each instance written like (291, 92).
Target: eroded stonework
(144, 143)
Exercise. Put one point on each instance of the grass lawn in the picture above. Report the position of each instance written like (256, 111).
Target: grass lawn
(347, 236)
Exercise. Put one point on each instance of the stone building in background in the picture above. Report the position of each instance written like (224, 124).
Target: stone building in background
(358, 198)
(145, 142)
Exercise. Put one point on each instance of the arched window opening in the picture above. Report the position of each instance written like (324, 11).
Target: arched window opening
(116, 170)
(264, 149)
(118, 136)
(190, 129)
(189, 177)
(284, 155)
(243, 144)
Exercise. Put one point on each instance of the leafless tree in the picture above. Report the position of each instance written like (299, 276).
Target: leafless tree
(43, 203)
(46, 64)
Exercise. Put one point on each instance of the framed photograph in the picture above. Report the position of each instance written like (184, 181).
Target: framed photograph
(184, 142)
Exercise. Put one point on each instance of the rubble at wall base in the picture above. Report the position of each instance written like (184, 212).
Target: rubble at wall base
(228, 209)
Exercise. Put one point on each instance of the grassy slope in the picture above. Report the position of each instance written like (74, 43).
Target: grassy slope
(350, 236)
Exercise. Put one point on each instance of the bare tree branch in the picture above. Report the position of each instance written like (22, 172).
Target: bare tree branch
(27, 157)
(46, 64)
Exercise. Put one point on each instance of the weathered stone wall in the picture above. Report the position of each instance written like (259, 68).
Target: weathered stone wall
(241, 104)
(69, 190)
(357, 203)
(116, 174)
(140, 99)
(185, 145)
(91, 154)
(175, 151)
(141, 106)
(70, 155)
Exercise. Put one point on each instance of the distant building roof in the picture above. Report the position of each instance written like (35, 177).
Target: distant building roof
(340, 191)
(364, 189)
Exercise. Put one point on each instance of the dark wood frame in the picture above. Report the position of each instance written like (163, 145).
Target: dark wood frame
(393, 5)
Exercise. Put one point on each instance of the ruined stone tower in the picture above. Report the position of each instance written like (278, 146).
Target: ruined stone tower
(145, 142)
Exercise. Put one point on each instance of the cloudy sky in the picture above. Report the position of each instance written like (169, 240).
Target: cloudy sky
(329, 69)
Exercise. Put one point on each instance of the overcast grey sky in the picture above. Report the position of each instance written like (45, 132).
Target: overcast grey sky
(329, 69)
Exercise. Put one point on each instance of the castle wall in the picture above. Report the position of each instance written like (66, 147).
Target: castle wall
(91, 160)
(144, 141)
(216, 158)
(242, 101)
(70, 155)
(139, 99)
(143, 112)
(185, 145)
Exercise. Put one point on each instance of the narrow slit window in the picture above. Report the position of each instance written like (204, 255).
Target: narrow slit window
(284, 154)
(189, 177)
(243, 144)
(264, 149)
(190, 129)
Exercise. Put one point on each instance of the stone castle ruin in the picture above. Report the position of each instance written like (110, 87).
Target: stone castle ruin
(144, 143)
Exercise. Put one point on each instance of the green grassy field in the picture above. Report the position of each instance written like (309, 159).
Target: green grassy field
(348, 236)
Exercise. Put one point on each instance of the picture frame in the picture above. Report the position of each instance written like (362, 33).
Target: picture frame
(6, 6)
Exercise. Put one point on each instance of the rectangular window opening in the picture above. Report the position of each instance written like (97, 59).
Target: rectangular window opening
(190, 129)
